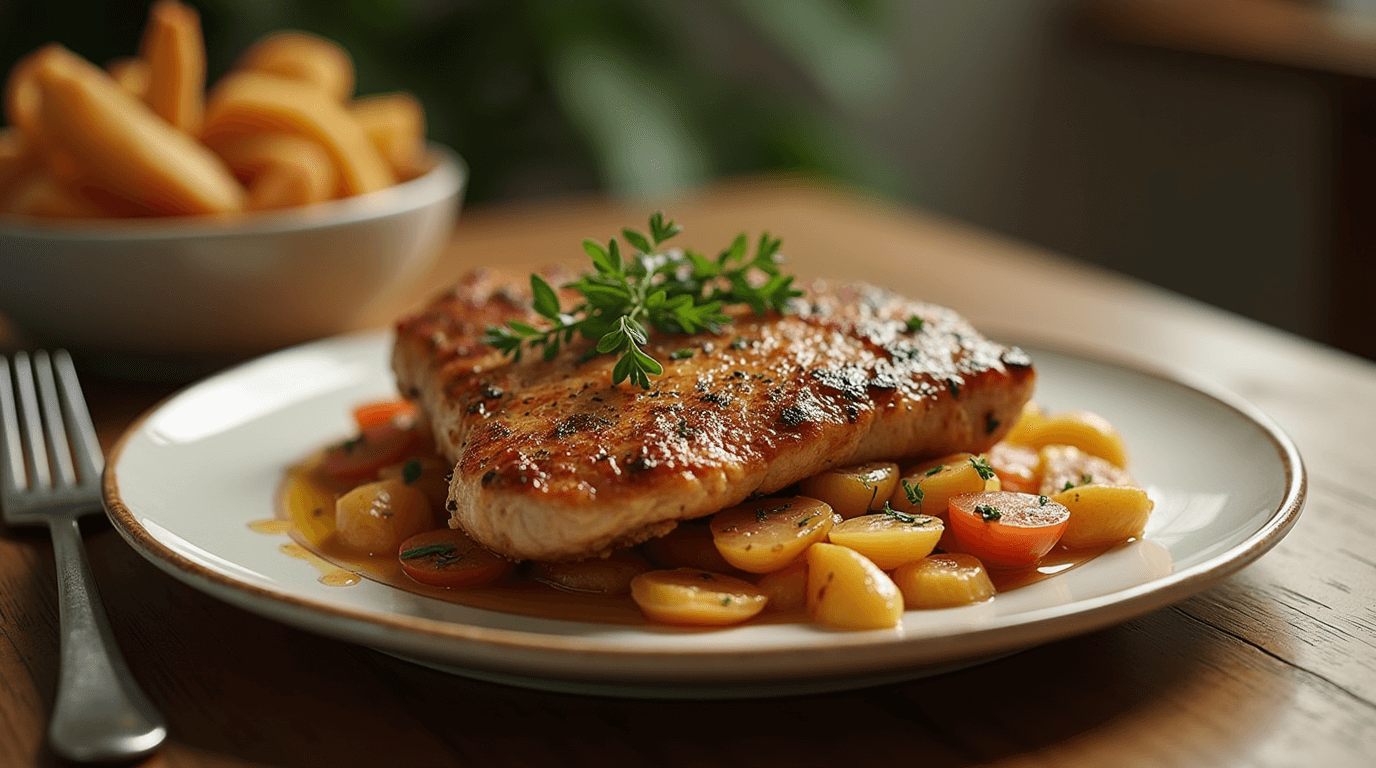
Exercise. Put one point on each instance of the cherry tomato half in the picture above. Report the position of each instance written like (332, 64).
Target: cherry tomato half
(385, 412)
(1005, 529)
(449, 558)
(375, 447)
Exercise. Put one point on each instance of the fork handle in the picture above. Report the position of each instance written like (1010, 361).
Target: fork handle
(100, 713)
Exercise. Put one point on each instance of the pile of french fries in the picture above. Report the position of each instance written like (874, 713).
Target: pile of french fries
(143, 138)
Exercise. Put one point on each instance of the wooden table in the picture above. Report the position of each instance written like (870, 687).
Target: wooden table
(1275, 666)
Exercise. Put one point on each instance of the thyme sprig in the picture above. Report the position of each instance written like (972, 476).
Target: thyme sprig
(668, 289)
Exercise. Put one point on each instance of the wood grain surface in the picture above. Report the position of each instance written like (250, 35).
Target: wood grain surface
(1275, 666)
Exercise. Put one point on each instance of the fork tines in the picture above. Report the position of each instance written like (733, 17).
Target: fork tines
(48, 439)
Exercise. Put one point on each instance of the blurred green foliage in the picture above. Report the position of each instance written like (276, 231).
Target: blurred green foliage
(542, 97)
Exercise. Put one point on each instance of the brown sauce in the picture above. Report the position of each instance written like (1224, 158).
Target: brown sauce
(305, 505)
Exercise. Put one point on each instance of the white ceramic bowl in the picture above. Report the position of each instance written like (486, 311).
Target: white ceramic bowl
(223, 287)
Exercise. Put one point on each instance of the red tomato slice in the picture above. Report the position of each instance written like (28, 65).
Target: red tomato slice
(375, 414)
(449, 558)
(1005, 529)
(375, 447)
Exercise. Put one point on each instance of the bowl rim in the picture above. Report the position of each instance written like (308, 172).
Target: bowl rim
(446, 179)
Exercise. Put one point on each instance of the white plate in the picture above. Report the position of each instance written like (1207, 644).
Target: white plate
(186, 481)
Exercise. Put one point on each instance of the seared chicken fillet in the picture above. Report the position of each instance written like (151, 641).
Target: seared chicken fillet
(552, 462)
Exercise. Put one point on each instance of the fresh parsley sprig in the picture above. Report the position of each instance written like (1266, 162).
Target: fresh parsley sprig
(669, 290)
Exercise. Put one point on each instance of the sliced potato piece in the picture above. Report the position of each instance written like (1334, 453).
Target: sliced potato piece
(690, 545)
(609, 575)
(935, 482)
(853, 491)
(1103, 515)
(1018, 467)
(175, 51)
(889, 539)
(944, 581)
(696, 597)
(426, 472)
(1065, 467)
(377, 517)
(396, 124)
(847, 591)
(1028, 421)
(786, 587)
(1087, 431)
(41, 196)
(310, 507)
(120, 143)
(765, 535)
(250, 102)
(281, 169)
(304, 57)
(131, 74)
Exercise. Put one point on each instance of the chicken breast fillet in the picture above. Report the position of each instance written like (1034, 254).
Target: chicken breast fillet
(552, 462)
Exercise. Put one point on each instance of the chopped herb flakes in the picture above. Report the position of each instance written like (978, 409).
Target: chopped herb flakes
(1068, 486)
(988, 512)
(935, 470)
(1041, 501)
(682, 354)
(914, 323)
(411, 472)
(805, 520)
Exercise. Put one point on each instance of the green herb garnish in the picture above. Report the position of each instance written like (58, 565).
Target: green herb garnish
(913, 492)
(988, 512)
(427, 550)
(411, 471)
(1041, 501)
(671, 291)
(1086, 479)
(1068, 486)
(914, 323)
(935, 470)
(682, 354)
(981, 466)
(904, 517)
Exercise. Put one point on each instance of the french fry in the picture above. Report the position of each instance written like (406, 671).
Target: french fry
(38, 194)
(22, 96)
(17, 158)
(249, 102)
(126, 148)
(131, 74)
(395, 122)
(280, 169)
(175, 51)
(305, 57)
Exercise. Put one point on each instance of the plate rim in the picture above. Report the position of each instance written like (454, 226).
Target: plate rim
(1018, 631)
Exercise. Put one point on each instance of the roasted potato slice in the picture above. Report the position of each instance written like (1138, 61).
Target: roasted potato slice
(944, 581)
(765, 535)
(847, 591)
(853, 491)
(696, 597)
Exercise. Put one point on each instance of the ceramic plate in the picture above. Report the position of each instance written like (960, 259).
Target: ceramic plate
(186, 481)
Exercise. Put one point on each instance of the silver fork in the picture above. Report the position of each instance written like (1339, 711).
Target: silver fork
(100, 713)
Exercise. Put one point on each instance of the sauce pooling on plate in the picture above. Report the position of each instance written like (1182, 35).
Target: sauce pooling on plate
(341, 508)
